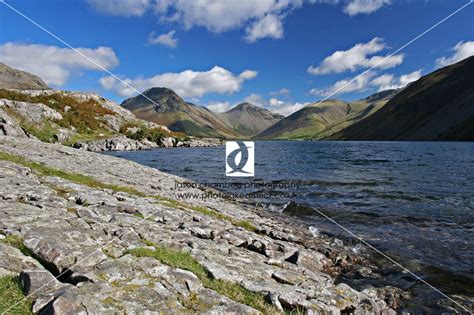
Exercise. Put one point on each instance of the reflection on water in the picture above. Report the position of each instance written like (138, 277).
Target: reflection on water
(413, 200)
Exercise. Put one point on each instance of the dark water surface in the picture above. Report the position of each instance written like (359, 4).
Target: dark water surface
(412, 200)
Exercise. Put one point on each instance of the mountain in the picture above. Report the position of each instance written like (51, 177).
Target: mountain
(243, 121)
(11, 78)
(320, 120)
(171, 110)
(249, 120)
(438, 106)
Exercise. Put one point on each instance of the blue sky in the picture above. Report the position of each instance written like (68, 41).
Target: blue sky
(279, 54)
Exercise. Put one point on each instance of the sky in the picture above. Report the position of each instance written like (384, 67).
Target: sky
(278, 54)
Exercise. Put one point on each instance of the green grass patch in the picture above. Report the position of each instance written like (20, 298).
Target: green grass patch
(44, 132)
(11, 293)
(184, 260)
(17, 242)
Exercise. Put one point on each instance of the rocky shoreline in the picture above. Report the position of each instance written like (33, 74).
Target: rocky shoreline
(127, 144)
(103, 231)
(89, 122)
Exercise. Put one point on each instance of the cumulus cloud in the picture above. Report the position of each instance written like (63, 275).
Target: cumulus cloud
(54, 64)
(366, 81)
(219, 107)
(121, 7)
(248, 74)
(261, 19)
(255, 99)
(220, 16)
(281, 92)
(357, 57)
(270, 26)
(461, 51)
(166, 39)
(188, 83)
(361, 83)
(389, 81)
(355, 7)
(285, 108)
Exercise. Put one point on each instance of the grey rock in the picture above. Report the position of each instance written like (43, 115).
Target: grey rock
(111, 144)
(38, 282)
(167, 142)
(12, 261)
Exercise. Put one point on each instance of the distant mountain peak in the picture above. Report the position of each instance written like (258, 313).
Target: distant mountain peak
(246, 106)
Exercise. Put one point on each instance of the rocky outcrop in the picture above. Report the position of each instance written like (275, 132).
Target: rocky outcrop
(83, 230)
(9, 127)
(126, 144)
(114, 144)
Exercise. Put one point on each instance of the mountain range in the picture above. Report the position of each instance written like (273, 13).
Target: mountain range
(163, 106)
(322, 119)
(438, 106)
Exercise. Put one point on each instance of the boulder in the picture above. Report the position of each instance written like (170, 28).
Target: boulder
(9, 127)
(167, 142)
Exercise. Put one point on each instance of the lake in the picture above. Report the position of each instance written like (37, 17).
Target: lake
(412, 200)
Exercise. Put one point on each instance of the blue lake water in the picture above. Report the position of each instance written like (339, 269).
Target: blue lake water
(412, 200)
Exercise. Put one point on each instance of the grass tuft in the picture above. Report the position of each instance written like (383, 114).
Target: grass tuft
(17, 242)
(10, 293)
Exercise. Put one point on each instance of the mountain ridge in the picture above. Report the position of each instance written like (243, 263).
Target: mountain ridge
(438, 106)
(168, 108)
(11, 78)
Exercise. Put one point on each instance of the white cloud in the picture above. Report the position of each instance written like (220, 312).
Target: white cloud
(54, 64)
(344, 86)
(274, 102)
(357, 57)
(220, 16)
(388, 81)
(461, 51)
(275, 105)
(219, 107)
(282, 92)
(121, 7)
(367, 81)
(248, 74)
(355, 7)
(262, 18)
(270, 26)
(188, 84)
(255, 99)
(285, 108)
(166, 39)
